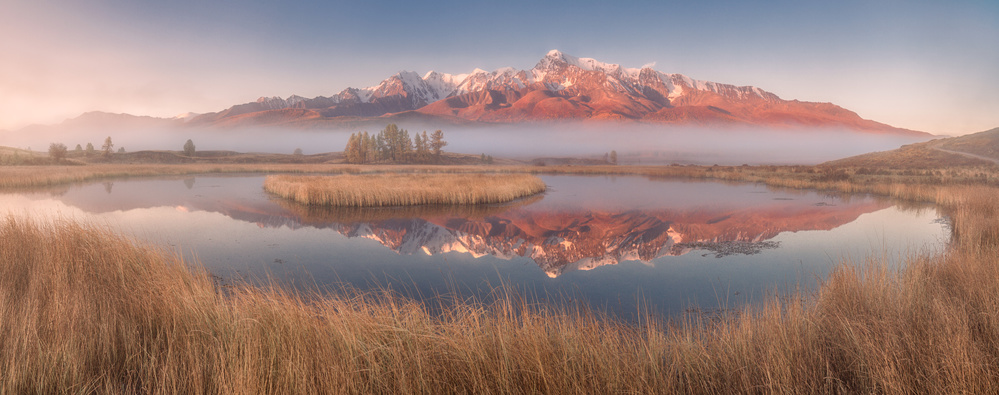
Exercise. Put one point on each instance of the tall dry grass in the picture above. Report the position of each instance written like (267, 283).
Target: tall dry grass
(84, 310)
(381, 190)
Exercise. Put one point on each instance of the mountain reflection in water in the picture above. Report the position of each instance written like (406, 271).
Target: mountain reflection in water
(574, 228)
(577, 239)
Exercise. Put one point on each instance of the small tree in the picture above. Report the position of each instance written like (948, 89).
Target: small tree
(298, 151)
(121, 150)
(352, 151)
(189, 148)
(370, 147)
(404, 146)
(78, 149)
(420, 146)
(107, 147)
(90, 149)
(613, 157)
(437, 143)
(57, 151)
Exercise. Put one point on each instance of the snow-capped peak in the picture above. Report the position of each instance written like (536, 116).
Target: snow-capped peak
(503, 78)
(273, 103)
(452, 79)
(556, 60)
(294, 100)
(431, 87)
(265, 99)
(556, 71)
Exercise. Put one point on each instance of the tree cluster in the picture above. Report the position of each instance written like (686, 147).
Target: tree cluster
(395, 145)
(58, 151)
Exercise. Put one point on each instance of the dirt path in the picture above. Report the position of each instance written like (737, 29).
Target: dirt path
(985, 158)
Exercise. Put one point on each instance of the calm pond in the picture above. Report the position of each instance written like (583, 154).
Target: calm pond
(610, 241)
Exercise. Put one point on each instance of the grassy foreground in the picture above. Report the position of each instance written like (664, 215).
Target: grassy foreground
(85, 310)
(379, 190)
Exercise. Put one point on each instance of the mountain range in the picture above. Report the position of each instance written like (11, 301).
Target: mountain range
(560, 87)
(565, 105)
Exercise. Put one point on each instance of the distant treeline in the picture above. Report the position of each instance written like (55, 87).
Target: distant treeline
(395, 145)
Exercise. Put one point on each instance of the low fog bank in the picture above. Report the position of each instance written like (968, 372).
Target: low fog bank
(265, 140)
(635, 144)
(648, 144)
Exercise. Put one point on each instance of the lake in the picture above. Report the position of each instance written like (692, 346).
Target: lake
(619, 243)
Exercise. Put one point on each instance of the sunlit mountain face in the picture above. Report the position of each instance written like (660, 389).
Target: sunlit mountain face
(559, 87)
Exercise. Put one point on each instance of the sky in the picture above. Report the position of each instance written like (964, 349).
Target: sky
(925, 65)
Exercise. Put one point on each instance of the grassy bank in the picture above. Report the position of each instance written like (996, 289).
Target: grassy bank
(847, 179)
(381, 190)
(83, 309)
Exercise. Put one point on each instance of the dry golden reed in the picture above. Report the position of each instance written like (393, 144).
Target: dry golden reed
(381, 190)
(859, 179)
(83, 310)
(325, 215)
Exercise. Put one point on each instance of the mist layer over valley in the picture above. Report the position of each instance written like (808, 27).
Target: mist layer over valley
(635, 143)
(657, 144)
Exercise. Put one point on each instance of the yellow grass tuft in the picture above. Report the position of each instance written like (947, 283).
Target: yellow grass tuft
(380, 190)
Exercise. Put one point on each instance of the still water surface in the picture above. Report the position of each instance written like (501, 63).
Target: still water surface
(609, 241)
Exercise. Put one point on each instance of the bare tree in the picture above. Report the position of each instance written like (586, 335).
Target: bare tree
(107, 147)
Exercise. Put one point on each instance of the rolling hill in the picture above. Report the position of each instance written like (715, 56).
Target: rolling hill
(977, 149)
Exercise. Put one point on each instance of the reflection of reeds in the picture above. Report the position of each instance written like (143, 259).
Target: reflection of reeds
(84, 309)
(381, 190)
(847, 180)
(326, 215)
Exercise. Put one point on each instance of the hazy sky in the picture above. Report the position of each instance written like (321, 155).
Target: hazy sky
(924, 65)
